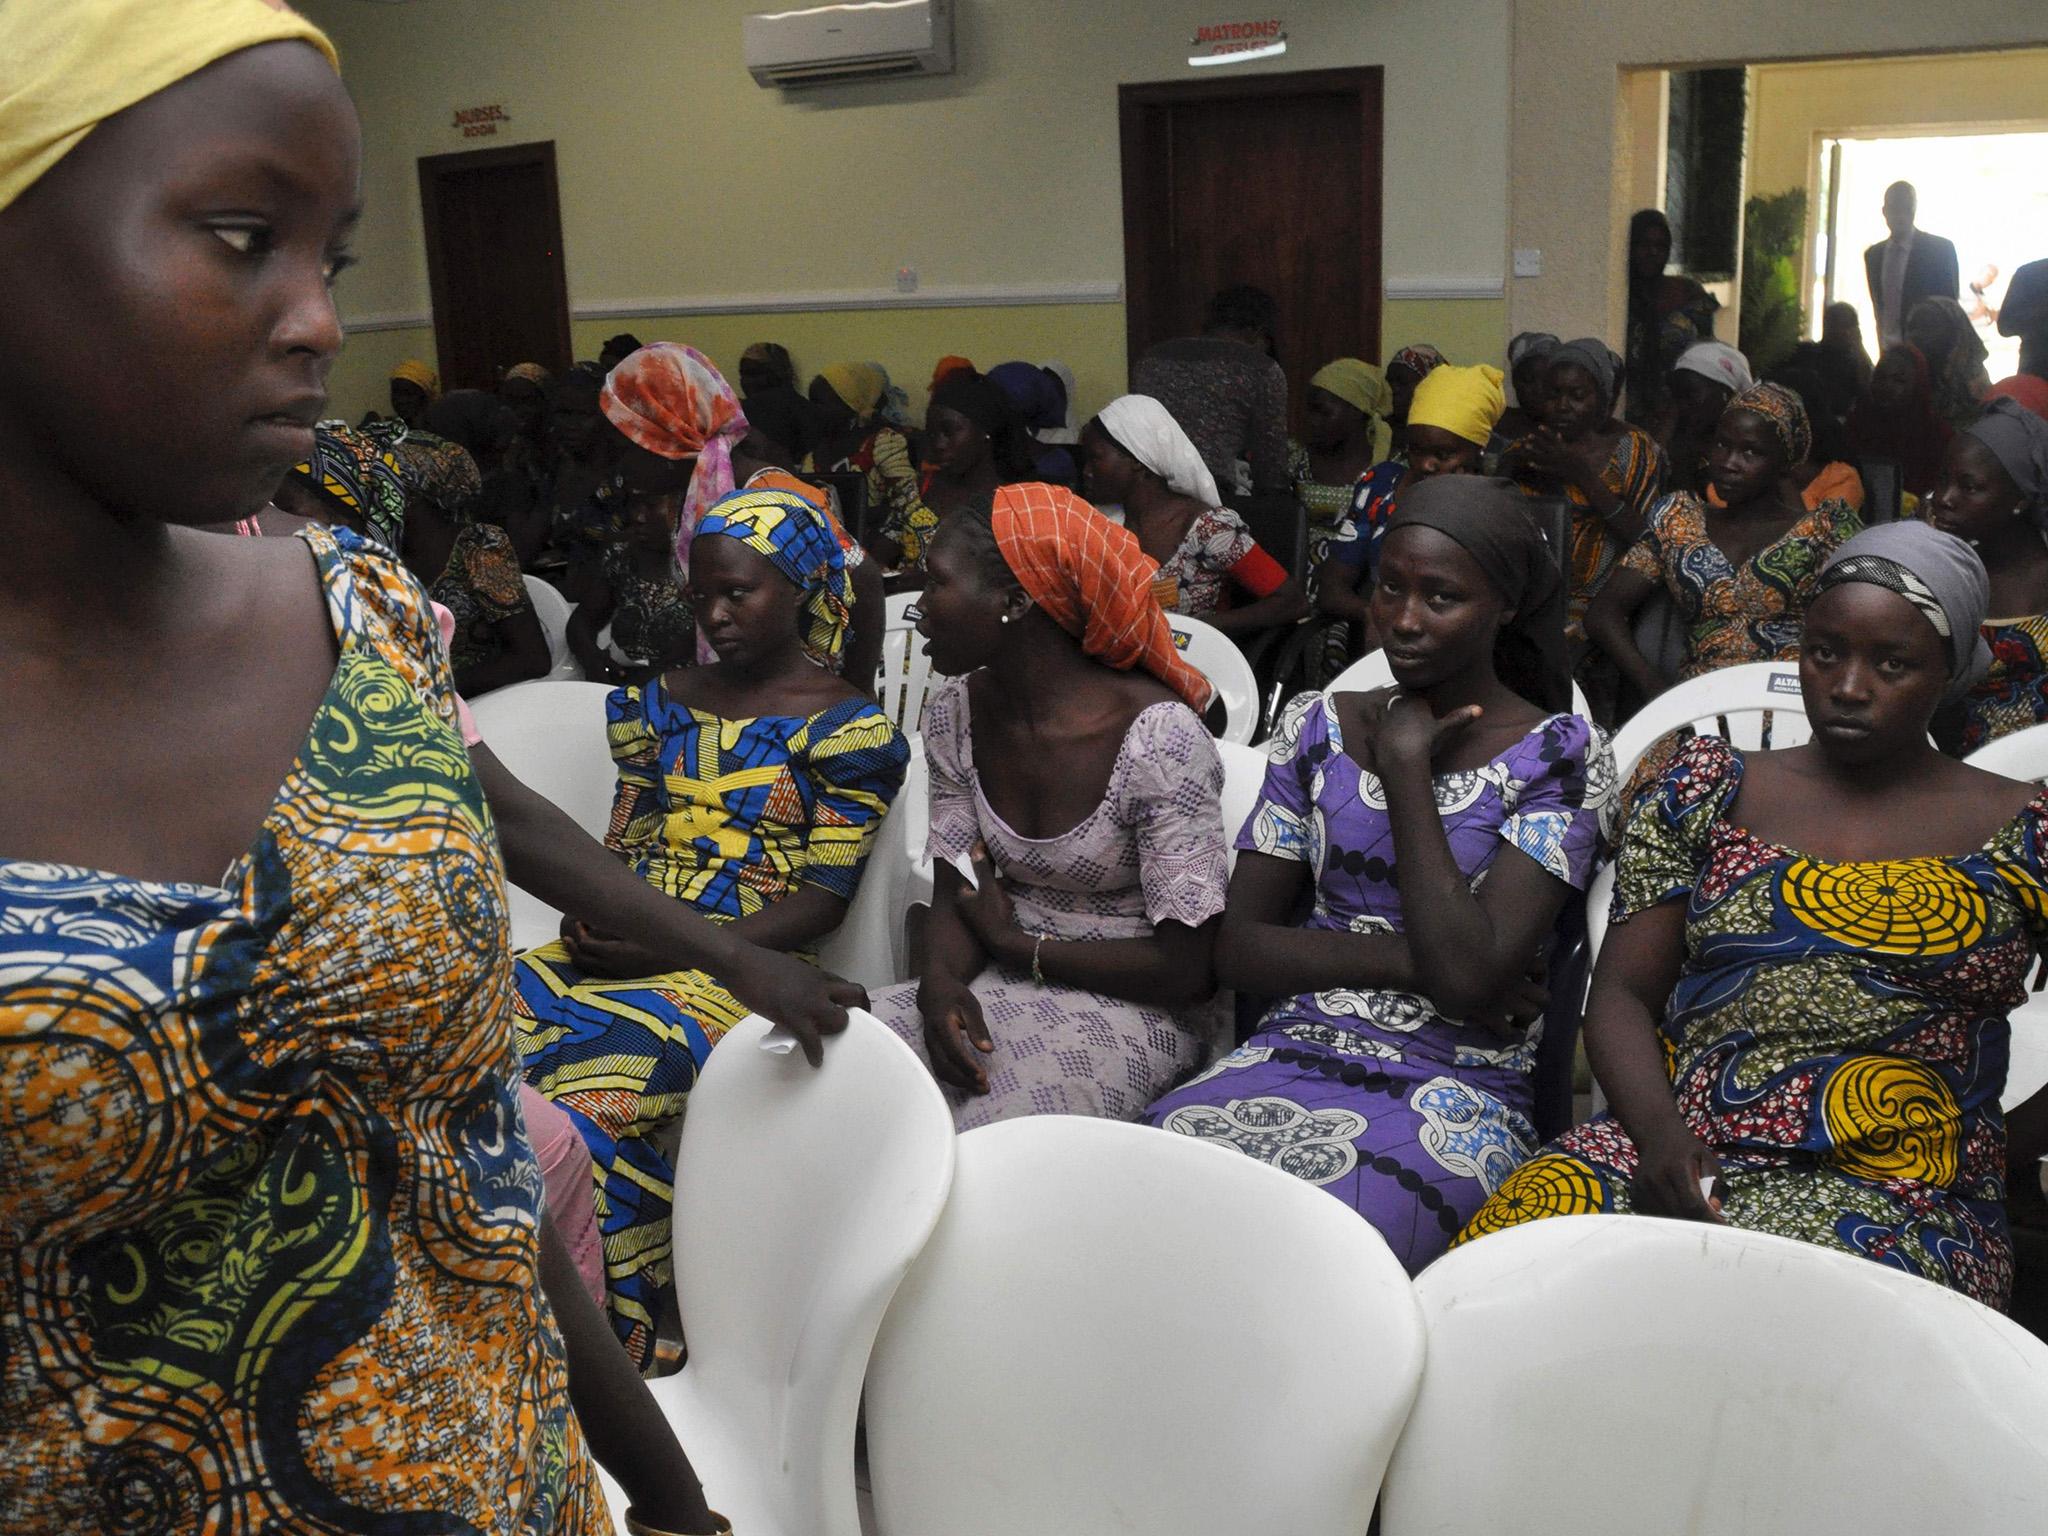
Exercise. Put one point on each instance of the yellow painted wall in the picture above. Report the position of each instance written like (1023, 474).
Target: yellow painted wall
(681, 180)
(1570, 157)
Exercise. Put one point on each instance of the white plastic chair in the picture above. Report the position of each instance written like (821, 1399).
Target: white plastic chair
(802, 1197)
(1216, 656)
(868, 946)
(906, 669)
(1757, 706)
(2020, 755)
(553, 611)
(1117, 1328)
(1616, 1375)
(1244, 770)
(551, 734)
(1371, 671)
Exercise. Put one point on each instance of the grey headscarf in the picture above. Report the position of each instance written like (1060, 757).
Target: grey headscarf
(1937, 573)
(2019, 440)
(1531, 343)
(1598, 359)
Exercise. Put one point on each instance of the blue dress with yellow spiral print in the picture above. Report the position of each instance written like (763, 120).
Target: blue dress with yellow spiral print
(268, 1216)
(1838, 1034)
(729, 816)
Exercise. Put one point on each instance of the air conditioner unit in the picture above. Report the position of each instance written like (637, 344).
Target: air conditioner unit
(854, 40)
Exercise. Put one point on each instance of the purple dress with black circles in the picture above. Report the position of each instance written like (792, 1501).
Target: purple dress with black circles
(1410, 1117)
(1153, 851)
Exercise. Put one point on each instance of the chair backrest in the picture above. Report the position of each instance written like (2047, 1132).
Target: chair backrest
(868, 945)
(906, 669)
(849, 493)
(1280, 524)
(1115, 1327)
(1216, 656)
(1756, 706)
(1371, 671)
(1244, 770)
(1553, 516)
(2018, 755)
(1883, 490)
(1615, 1375)
(553, 610)
(802, 1196)
(551, 734)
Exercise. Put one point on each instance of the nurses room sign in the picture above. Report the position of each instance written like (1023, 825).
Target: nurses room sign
(1235, 42)
(480, 122)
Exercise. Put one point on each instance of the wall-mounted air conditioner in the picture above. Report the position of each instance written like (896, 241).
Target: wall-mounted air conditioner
(854, 40)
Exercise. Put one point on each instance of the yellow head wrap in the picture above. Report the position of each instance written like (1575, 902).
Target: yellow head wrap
(860, 385)
(71, 64)
(1465, 402)
(418, 374)
(1360, 384)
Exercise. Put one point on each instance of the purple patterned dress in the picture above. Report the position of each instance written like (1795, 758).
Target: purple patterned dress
(1410, 1117)
(1152, 852)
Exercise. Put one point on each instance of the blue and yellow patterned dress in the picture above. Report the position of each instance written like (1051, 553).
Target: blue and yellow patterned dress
(728, 815)
(1838, 1034)
(268, 1215)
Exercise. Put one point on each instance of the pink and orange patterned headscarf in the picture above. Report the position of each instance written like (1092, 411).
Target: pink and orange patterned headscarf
(672, 400)
(1092, 579)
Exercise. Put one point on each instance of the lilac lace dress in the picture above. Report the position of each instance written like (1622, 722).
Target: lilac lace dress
(1152, 852)
(1410, 1117)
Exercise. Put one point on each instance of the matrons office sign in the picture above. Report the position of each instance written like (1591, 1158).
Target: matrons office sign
(1235, 42)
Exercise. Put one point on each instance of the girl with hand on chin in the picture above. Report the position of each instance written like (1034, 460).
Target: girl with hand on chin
(1799, 1014)
(1441, 826)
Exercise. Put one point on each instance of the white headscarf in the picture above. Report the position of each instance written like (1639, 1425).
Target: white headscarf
(1147, 431)
(1718, 361)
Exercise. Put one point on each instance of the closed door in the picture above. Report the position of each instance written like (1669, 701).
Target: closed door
(1265, 179)
(494, 262)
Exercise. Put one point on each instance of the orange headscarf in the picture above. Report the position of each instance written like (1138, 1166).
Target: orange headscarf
(949, 365)
(1092, 580)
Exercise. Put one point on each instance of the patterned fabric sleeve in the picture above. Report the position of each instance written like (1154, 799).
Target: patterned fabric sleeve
(636, 749)
(2023, 864)
(949, 758)
(1666, 845)
(1560, 819)
(1279, 822)
(490, 569)
(1173, 797)
(1636, 471)
(1649, 555)
(401, 621)
(892, 487)
(1221, 539)
(856, 769)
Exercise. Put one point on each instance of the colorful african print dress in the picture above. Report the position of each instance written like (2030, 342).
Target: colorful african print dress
(1635, 474)
(729, 816)
(2013, 693)
(481, 586)
(1407, 1116)
(269, 1224)
(1838, 1034)
(1736, 614)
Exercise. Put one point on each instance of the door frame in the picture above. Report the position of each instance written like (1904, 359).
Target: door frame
(432, 168)
(1144, 207)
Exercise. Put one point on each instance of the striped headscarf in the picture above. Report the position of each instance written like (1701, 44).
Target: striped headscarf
(1936, 572)
(672, 400)
(796, 538)
(354, 469)
(1091, 578)
(1784, 411)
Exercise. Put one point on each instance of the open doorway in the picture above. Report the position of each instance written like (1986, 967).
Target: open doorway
(1986, 191)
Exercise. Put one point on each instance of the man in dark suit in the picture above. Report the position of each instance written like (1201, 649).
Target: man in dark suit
(1912, 265)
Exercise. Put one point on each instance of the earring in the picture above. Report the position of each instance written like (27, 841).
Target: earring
(1006, 618)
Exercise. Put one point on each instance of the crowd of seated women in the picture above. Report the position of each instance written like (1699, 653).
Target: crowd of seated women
(273, 1249)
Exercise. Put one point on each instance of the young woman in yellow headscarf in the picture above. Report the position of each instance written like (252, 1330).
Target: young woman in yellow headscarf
(853, 439)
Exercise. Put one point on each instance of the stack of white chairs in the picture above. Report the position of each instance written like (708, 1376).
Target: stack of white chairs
(554, 610)
(1372, 671)
(1216, 656)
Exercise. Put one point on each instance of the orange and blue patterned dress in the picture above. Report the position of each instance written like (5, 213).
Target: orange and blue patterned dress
(269, 1220)
(729, 816)
(1837, 1035)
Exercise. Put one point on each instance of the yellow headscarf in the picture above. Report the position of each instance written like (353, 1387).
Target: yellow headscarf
(1359, 384)
(418, 374)
(1465, 402)
(71, 64)
(860, 385)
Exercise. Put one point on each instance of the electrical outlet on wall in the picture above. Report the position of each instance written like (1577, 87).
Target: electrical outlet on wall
(906, 279)
(1528, 262)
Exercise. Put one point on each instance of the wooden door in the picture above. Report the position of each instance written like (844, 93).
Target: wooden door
(1265, 179)
(494, 262)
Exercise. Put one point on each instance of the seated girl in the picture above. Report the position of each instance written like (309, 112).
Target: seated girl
(1994, 495)
(1799, 1016)
(1069, 766)
(470, 568)
(1443, 825)
(1135, 455)
(750, 788)
(1739, 568)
